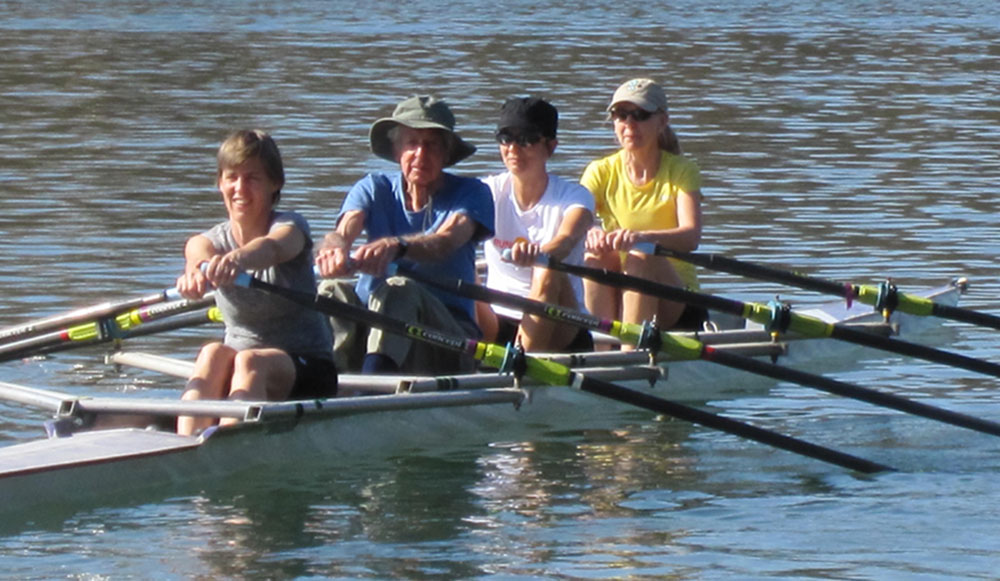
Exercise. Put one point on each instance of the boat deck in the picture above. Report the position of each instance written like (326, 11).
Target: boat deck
(95, 447)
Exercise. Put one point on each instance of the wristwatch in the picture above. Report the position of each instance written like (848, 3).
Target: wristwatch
(402, 248)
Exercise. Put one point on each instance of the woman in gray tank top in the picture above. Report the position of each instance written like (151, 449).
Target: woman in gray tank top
(273, 349)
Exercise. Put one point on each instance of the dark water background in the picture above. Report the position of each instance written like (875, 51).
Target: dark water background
(852, 140)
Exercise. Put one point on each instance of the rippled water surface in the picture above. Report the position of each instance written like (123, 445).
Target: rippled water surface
(851, 140)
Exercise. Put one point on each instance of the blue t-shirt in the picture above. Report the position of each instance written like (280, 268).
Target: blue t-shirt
(382, 198)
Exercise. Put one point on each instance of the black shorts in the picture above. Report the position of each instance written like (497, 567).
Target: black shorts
(692, 319)
(582, 342)
(315, 378)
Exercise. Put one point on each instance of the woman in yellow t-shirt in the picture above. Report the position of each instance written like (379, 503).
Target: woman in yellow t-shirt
(645, 194)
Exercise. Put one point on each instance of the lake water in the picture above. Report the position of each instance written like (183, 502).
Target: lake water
(851, 140)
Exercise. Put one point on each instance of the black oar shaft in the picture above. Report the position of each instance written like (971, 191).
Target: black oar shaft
(480, 293)
(726, 264)
(851, 391)
(799, 322)
(969, 316)
(645, 286)
(708, 353)
(916, 350)
(730, 426)
(338, 309)
(820, 285)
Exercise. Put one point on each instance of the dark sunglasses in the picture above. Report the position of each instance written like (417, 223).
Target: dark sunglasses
(622, 115)
(522, 139)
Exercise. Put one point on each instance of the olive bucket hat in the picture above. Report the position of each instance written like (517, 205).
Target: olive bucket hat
(421, 112)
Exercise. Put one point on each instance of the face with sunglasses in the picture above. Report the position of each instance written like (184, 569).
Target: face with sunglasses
(524, 151)
(635, 127)
(522, 138)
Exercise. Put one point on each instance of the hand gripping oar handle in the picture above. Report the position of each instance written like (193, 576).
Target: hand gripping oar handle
(768, 315)
(687, 348)
(867, 294)
(556, 374)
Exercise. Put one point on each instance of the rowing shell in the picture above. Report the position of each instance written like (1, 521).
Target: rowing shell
(87, 459)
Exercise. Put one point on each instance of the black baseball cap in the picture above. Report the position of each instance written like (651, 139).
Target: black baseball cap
(529, 115)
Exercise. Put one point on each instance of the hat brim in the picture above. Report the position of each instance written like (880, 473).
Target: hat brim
(640, 103)
(381, 145)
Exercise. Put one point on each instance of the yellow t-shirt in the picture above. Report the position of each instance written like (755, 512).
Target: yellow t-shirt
(653, 206)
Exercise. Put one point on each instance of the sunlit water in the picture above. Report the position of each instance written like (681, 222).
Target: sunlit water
(855, 141)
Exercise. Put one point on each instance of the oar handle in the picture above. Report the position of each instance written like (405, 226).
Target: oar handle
(542, 259)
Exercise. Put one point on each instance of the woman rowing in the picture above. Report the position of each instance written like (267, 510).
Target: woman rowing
(536, 213)
(273, 349)
(646, 194)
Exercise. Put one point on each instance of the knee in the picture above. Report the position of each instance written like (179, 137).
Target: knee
(546, 283)
(247, 361)
(606, 260)
(215, 353)
(638, 261)
(651, 267)
(340, 289)
(391, 291)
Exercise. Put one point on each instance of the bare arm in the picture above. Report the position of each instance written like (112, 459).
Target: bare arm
(455, 232)
(279, 245)
(685, 237)
(333, 255)
(193, 283)
(573, 227)
(373, 258)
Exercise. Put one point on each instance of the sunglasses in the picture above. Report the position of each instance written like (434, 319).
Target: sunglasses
(622, 115)
(522, 139)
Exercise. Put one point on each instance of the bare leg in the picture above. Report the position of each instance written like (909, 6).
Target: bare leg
(602, 301)
(212, 371)
(638, 307)
(541, 334)
(487, 321)
(261, 375)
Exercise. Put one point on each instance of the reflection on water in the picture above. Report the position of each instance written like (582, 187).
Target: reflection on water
(851, 141)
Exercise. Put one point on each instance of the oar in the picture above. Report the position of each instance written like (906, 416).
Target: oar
(776, 317)
(555, 374)
(867, 294)
(122, 326)
(84, 315)
(683, 347)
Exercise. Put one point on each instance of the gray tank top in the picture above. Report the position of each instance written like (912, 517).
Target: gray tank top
(255, 319)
